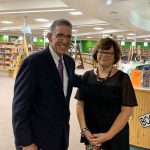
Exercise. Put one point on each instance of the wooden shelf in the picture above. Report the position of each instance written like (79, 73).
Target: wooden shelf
(7, 50)
(141, 53)
(88, 58)
(11, 56)
(16, 62)
(140, 136)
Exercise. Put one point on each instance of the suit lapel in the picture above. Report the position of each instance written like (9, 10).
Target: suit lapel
(56, 73)
(53, 67)
(68, 69)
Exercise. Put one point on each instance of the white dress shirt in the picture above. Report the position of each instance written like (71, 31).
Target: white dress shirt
(65, 74)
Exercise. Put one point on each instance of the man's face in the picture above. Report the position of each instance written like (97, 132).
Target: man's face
(61, 40)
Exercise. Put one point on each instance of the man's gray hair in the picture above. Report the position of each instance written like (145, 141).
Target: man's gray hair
(59, 22)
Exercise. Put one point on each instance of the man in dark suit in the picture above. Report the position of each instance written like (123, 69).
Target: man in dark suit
(42, 94)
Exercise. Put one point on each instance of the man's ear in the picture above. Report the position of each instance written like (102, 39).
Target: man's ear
(49, 36)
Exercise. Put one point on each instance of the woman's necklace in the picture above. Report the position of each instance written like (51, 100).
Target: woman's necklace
(102, 79)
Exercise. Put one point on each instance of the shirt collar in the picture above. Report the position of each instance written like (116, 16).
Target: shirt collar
(54, 54)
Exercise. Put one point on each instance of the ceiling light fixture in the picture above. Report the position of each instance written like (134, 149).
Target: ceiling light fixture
(42, 20)
(89, 37)
(91, 25)
(105, 35)
(98, 28)
(147, 39)
(74, 30)
(108, 2)
(75, 13)
(35, 11)
(131, 34)
(7, 22)
(119, 36)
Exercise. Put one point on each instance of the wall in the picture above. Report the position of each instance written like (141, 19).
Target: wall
(86, 44)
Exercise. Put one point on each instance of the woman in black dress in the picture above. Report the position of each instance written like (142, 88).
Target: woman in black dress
(105, 101)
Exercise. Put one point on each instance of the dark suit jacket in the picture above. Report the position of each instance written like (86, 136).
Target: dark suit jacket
(40, 109)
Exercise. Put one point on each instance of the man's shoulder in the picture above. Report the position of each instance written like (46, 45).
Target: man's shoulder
(37, 55)
(68, 58)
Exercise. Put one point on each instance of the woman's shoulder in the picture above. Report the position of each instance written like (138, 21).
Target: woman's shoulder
(123, 77)
(123, 74)
(86, 75)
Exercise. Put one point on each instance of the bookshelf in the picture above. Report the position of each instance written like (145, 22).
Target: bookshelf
(8, 50)
(16, 61)
(88, 58)
(140, 54)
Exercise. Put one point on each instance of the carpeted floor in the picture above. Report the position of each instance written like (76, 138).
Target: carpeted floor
(6, 135)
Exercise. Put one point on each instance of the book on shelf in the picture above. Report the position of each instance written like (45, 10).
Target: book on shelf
(146, 78)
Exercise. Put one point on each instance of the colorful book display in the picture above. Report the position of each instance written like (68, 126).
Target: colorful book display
(140, 78)
(146, 78)
(136, 78)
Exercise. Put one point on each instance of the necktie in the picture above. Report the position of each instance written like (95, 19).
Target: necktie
(60, 69)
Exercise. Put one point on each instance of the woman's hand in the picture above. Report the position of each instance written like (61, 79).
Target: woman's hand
(100, 138)
(30, 147)
(88, 135)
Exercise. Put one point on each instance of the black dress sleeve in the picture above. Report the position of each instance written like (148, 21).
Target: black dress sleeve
(127, 91)
(80, 94)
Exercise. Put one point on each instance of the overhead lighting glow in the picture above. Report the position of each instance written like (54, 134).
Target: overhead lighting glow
(108, 2)
(89, 37)
(119, 36)
(35, 11)
(98, 28)
(7, 22)
(131, 34)
(105, 35)
(42, 20)
(76, 13)
(74, 30)
(147, 39)
(90, 25)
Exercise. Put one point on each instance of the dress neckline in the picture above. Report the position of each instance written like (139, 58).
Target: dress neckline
(103, 79)
(95, 70)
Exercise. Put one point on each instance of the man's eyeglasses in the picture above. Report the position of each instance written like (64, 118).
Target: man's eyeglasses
(61, 36)
(102, 53)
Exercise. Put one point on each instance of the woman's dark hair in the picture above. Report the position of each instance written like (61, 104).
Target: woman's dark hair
(106, 44)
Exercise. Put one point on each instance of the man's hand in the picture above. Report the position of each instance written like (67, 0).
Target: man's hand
(30, 147)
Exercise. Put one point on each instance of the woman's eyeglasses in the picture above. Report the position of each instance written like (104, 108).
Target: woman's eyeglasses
(102, 53)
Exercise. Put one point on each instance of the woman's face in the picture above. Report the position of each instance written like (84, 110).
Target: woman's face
(105, 57)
